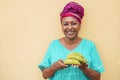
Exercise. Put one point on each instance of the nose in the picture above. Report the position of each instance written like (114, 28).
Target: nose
(70, 26)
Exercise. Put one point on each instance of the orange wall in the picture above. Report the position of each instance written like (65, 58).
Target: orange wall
(28, 26)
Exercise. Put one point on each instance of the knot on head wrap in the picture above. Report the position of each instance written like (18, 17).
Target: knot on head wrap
(73, 9)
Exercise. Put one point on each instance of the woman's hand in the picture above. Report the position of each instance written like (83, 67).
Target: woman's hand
(91, 74)
(58, 65)
(48, 72)
(83, 66)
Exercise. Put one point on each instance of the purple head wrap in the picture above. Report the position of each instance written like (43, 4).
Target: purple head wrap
(73, 8)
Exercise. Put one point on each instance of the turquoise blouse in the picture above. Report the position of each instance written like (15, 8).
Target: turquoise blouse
(57, 51)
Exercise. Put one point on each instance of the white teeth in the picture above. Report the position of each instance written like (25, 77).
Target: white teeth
(70, 32)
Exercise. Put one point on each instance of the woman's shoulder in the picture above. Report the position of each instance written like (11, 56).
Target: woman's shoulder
(53, 42)
(88, 41)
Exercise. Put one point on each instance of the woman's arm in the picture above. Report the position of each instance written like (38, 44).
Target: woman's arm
(49, 72)
(92, 74)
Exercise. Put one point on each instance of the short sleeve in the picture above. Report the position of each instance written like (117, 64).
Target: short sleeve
(46, 60)
(96, 63)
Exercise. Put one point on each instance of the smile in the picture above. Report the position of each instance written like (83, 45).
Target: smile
(70, 32)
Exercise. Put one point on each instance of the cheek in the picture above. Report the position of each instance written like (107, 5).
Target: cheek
(78, 27)
(63, 28)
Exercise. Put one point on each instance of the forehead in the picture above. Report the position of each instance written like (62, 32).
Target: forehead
(69, 19)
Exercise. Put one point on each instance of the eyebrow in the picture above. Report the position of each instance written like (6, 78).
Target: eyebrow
(69, 21)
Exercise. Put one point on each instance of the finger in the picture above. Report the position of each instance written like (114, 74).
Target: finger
(61, 61)
(62, 64)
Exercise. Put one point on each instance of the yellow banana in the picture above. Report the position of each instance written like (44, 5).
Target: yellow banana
(76, 53)
(77, 56)
(71, 61)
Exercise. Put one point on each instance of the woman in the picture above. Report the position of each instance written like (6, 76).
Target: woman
(53, 66)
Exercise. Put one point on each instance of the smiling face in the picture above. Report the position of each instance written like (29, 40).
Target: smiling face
(70, 27)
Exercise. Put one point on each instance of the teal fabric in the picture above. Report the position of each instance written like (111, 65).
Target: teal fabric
(57, 51)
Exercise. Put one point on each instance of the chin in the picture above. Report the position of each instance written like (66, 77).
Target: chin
(73, 36)
(70, 37)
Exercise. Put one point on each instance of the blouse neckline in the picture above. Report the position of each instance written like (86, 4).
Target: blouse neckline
(73, 48)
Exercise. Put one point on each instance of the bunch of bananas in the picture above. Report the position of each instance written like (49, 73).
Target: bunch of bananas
(75, 58)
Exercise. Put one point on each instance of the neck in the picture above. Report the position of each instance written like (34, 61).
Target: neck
(71, 41)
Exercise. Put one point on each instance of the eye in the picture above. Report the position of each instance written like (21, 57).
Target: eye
(74, 24)
(65, 24)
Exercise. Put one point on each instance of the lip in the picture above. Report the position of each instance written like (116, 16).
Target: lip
(70, 32)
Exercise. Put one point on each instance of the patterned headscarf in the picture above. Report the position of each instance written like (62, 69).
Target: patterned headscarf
(73, 9)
